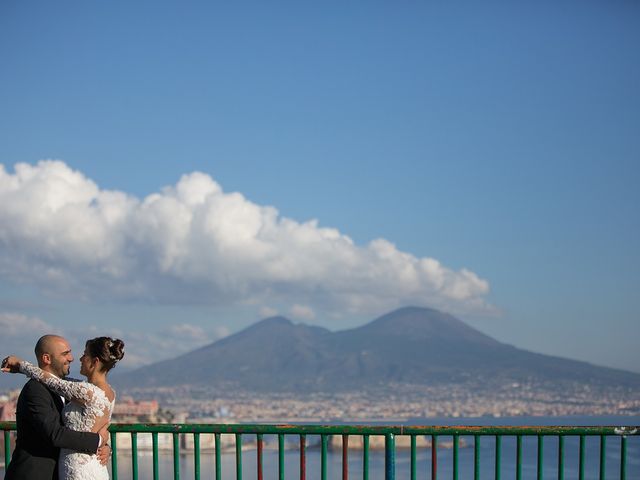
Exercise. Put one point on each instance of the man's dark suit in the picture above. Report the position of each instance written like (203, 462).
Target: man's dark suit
(41, 434)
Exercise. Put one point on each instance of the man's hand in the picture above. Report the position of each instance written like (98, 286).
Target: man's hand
(104, 452)
(11, 364)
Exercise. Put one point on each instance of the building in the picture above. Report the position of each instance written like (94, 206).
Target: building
(8, 406)
(128, 410)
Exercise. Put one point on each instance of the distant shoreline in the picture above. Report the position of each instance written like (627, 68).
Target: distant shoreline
(568, 420)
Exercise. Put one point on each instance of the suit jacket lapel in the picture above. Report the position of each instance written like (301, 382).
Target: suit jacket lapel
(57, 400)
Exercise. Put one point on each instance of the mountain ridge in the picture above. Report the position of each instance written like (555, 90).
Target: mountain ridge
(411, 345)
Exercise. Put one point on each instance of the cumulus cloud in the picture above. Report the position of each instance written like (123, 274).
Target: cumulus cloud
(194, 243)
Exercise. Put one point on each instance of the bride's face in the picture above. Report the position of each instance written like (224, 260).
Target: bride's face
(87, 363)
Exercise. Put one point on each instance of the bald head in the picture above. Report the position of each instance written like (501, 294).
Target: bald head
(54, 354)
(46, 343)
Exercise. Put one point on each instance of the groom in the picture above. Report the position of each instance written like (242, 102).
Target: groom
(40, 431)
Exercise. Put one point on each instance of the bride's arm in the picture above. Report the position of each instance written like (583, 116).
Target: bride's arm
(81, 392)
(102, 418)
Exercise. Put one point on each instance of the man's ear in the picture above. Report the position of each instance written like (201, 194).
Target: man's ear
(46, 359)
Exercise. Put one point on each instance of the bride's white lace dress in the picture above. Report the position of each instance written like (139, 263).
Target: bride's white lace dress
(85, 404)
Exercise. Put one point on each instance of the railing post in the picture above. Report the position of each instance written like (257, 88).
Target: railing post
(176, 456)
(561, 457)
(414, 473)
(623, 457)
(260, 446)
(365, 457)
(476, 457)
(238, 456)
(498, 455)
(540, 456)
(281, 456)
(434, 457)
(455, 456)
(134, 455)
(390, 457)
(323, 457)
(196, 455)
(114, 456)
(519, 457)
(156, 456)
(582, 450)
(218, 457)
(303, 457)
(345, 457)
(603, 450)
(7, 448)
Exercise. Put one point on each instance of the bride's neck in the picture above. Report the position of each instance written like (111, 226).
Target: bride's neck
(97, 378)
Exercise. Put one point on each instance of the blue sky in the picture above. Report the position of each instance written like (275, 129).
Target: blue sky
(501, 141)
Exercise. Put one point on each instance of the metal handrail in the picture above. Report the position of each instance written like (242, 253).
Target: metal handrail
(389, 432)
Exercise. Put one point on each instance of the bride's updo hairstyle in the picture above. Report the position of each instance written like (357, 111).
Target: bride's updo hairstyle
(109, 350)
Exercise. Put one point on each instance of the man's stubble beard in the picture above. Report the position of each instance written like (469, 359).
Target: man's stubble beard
(59, 370)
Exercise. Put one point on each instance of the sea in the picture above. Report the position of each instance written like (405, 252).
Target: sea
(423, 460)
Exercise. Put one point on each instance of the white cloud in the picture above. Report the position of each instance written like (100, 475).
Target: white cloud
(19, 333)
(18, 336)
(302, 312)
(194, 243)
(221, 332)
(149, 347)
(268, 312)
(186, 330)
(17, 324)
(145, 347)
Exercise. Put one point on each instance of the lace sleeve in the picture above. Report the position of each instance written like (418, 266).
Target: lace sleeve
(82, 392)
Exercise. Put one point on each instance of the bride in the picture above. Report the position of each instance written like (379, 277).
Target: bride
(89, 404)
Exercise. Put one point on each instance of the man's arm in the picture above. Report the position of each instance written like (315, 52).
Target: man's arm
(46, 420)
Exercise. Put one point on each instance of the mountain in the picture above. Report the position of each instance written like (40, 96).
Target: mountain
(413, 346)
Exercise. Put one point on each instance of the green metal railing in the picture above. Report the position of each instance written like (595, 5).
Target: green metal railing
(390, 434)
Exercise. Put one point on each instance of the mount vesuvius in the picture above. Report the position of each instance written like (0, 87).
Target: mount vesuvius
(412, 346)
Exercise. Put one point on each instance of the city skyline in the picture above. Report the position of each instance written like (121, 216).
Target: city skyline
(172, 174)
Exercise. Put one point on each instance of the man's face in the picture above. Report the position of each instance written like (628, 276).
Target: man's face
(60, 358)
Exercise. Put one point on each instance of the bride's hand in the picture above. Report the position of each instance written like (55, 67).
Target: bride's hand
(104, 452)
(104, 433)
(11, 364)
